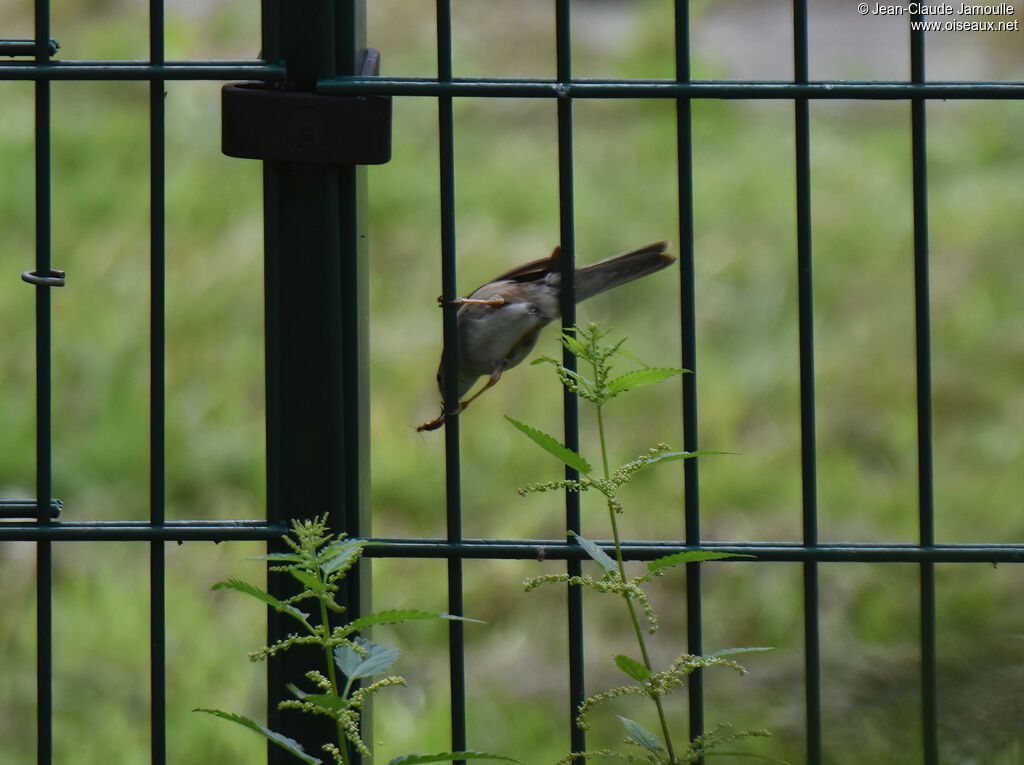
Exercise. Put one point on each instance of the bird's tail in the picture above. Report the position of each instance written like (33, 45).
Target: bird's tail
(619, 269)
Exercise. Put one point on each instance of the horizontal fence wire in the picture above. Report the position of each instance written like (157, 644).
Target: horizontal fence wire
(217, 69)
(656, 88)
(142, 531)
(246, 69)
(520, 549)
(641, 550)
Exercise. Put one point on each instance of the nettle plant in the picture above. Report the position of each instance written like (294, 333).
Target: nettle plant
(600, 387)
(319, 562)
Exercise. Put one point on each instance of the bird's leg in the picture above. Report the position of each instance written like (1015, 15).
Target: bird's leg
(445, 413)
(496, 301)
(433, 424)
(495, 376)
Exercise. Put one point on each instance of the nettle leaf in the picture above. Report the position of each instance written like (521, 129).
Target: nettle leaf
(641, 377)
(596, 553)
(309, 580)
(417, 759)
(733, 651)
(645, 462)
(456, 618)
(642, 736)
(251, 589)
(553, 446)
(642, 463)
(586, 382)
(660, 565)
(340, 554)
(633, 357)
(328, 702)
(397, 616)
(282, 556)
(576, 347)
(748, 755)
(378, 658)
(288, 744)
(632, 667)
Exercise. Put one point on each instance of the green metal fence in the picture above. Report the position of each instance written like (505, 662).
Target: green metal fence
(316, 318)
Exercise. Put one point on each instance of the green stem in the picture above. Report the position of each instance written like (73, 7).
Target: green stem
(332, 675)
(622, 575)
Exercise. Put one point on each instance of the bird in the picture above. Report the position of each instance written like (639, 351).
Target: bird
(499, 323)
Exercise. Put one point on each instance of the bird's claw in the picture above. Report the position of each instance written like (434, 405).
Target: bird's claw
(433, 424)
(442, 418)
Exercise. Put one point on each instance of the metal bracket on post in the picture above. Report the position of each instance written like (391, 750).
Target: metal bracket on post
(260, 122)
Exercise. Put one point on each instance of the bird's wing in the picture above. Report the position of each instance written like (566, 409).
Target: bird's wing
(533, 271)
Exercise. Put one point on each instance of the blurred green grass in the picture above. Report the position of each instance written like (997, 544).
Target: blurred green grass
(507, 213)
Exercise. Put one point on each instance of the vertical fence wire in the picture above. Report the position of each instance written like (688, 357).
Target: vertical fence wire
(926, 503)
(157, 480)
(570, 403)
(44, 550)
(688, 344)
(449, 291)
(808, 449)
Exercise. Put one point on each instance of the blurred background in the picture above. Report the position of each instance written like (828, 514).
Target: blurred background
(507, 213)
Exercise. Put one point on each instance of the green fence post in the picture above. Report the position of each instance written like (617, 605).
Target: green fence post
(316, 339)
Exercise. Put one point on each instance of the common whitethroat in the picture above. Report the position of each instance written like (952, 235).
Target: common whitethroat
(499, 323)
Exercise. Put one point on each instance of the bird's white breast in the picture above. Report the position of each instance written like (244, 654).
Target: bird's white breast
(490, 334)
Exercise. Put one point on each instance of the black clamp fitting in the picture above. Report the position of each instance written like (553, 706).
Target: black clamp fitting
(260, 122)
